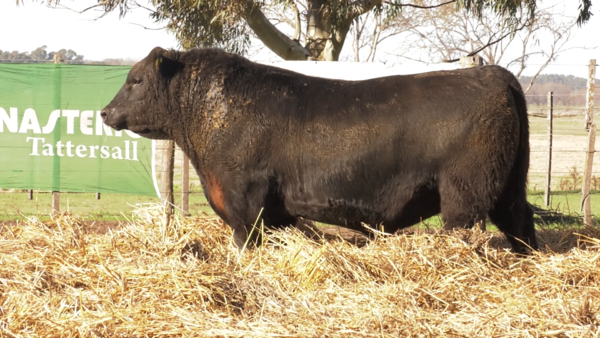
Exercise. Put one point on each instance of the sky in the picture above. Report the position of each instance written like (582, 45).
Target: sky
(33, 25)
(26, 27)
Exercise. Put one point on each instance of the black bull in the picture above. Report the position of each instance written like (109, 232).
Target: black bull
(389, 151)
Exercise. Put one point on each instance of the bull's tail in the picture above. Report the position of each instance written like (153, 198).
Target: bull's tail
(512, 213)
(521, 165)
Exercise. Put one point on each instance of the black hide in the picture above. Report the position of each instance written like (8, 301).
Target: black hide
(389, 151)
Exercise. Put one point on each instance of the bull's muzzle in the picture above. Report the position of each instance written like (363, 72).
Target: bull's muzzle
(104, 114)
(112, 119)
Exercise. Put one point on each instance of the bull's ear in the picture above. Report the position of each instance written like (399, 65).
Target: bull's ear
(165, 63)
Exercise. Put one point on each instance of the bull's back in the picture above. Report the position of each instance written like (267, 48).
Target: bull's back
(389, 120)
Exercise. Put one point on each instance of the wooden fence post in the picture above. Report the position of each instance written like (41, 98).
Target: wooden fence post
(56, 202)
(471, 61)
(587, 179)
(168, 162)
(56, 194)
(185, 184)
(589, 158)
(549, 174)
(589, 97)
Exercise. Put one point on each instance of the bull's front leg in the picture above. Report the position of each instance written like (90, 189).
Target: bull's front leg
(237, 203)
(243, 213)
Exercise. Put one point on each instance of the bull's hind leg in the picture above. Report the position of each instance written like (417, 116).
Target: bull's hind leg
(463, 202)
(514, 217)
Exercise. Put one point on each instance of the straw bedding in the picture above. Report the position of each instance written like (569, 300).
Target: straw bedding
(186, 278)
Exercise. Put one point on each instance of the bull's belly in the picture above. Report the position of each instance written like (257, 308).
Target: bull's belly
(394, 213)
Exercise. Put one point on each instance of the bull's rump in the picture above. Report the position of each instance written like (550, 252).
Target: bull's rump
(367, 150)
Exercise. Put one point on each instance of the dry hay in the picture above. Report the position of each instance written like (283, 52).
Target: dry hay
(147, 278)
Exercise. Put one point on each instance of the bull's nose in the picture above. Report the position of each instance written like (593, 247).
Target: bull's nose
(104, 114)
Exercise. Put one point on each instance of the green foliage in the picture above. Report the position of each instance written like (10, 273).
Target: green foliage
(585, 12)
(204, 23)
(505, 8)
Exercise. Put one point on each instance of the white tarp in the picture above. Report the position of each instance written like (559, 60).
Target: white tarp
(357, 70)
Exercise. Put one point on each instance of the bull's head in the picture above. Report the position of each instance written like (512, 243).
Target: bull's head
(141, 103)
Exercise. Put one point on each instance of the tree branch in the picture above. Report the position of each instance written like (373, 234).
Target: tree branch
(298, 25)
(360, 7)
(272, 37)
(82, 11)
(418, 6)
(148, 28)
(526, 24)
(376, 34)
(144, 7)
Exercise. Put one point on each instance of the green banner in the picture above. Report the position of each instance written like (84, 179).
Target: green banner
(52, 137)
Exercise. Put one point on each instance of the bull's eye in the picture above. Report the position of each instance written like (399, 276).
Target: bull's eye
(137, 81)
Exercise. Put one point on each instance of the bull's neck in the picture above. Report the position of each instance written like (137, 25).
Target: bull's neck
(185, 129)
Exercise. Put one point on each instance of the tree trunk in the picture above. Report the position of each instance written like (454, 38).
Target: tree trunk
(317, 29)
(324, 42)
(272, 37)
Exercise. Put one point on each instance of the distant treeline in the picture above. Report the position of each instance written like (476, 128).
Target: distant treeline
(41, 55)
(568, 80)
(568, 90)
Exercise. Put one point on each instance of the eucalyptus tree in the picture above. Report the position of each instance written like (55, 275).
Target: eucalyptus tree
(320, 27)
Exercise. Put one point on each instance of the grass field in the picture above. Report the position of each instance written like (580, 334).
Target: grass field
(119, 207)
(562, 125)
(109, 207)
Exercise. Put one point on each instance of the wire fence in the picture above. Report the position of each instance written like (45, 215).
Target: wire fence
(570, 140)
(568, 153)
(569, 145)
